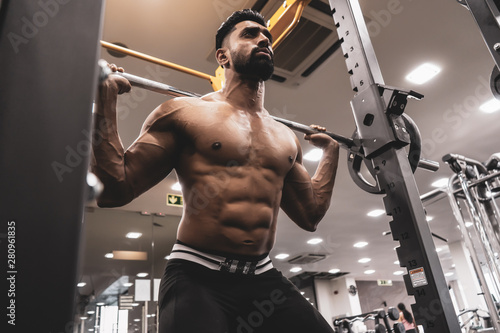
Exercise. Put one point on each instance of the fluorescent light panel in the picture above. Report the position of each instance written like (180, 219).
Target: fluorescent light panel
(314, 155)
(490, 106)
(360, 244)
(440, 182)
(314, 241)
(282, 256)
(376, 212)
(130, 255)
(177, 187)
(423, 73)
(133, 235)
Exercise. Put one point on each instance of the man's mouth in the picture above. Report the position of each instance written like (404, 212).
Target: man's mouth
(264, 52)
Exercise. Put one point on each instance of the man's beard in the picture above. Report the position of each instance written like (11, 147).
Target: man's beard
(260, 66)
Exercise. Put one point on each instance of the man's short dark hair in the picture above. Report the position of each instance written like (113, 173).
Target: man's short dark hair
(235, 18)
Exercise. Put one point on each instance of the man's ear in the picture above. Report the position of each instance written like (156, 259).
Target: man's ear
(221, 56)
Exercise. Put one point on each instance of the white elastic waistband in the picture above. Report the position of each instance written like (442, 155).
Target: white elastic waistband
(219, 263)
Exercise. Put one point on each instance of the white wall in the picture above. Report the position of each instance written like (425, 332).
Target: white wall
(334, 300)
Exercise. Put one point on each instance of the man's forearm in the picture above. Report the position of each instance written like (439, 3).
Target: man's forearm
(324, 177)
(109, 155)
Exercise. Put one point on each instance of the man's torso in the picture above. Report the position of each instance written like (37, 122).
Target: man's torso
(231, 165)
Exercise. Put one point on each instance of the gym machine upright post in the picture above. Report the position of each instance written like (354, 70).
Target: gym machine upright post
(381, 135)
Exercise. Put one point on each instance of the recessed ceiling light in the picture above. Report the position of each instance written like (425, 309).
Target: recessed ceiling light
(440, 182)
(81, 284)
(83, 317)
(90, 312)
(334, 271)
(468, 224)
(369, 271)
(295, 269)
(302, 293)
(376, 212)
(490, 106)
(128, 284)
(449, 274)
(177, 187)
(282, 256)
(360, 244)
(100, 304)
(133, 235)
(137, 320)
(142, 274)
(429, 218)
(364, 260)
(423, 73)
(398, 273)
(314, 155)
(314, 241)
(396, 262)
(109, 255)
(438, 249)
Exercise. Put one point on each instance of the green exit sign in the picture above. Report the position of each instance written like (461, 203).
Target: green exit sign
(386, 283)
(174, 200)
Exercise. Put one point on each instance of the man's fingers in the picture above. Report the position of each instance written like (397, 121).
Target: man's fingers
(318, 127)
(115, 68)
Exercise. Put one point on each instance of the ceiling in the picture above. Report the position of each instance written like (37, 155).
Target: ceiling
(404, 33)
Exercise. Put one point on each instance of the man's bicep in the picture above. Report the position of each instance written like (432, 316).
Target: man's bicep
(149, 160)
(152, 156)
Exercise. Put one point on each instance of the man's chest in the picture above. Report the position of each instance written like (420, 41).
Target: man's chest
(239, 140)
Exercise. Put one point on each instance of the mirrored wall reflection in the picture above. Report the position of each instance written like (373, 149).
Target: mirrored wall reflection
(124, 256)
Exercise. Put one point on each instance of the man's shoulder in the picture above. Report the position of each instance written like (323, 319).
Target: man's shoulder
(186, 104)
(181, 109)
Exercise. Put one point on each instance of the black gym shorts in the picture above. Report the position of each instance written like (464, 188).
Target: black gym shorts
(197, 299)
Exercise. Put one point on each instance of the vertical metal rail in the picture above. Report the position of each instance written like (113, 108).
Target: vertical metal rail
(472, 250)
(482, 246)
(486, 15)
(381, 134)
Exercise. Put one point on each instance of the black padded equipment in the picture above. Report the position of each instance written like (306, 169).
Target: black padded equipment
(399, 328)
(379, 328)
(393, 313)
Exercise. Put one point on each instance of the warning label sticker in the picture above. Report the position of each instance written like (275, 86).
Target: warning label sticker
(418, 278)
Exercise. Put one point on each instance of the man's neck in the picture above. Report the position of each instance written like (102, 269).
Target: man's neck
(244, 93)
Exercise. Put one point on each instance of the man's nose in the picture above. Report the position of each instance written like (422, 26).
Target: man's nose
(263, 40)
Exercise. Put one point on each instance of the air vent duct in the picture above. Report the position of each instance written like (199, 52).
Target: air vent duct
(308, 258)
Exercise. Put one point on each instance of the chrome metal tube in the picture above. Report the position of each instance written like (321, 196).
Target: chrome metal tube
(155, 86)
(474, 256)
(165, 89)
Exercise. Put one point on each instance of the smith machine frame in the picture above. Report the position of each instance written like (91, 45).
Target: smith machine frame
(382, 133)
